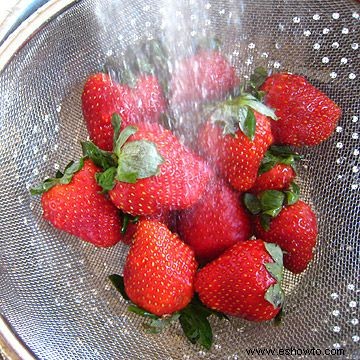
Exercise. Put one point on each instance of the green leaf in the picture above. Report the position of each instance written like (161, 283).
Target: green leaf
(123, 137)
(255, 104)
(196, 326)
(229, 117)
(156, 326)
(272, 212)
(118, 283)
(126, 219)
(70, 170)
(116, 124)
(292, 194)
(275, 252)
(138, 160)
(135, 309)
(258, 77)
(271, 200)
(279, 317)
(276, 270)
(252, 203)
(247, 122)
(101, 158)
(106, 179)
(275, 295)
(265, 221)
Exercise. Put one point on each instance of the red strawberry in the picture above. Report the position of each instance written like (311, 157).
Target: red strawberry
(74, 204)
(206, 75)
(306, 115)
(295, 231)
(102, 97)
(216, 222)
(159, 270)
(150, 98)
(170, 177)
(128, 234)
(236, 157)
(277, 178)
(244, 281)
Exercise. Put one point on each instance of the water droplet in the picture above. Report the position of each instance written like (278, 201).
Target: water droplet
(325, 60)
(335, 45)
(35, 150)
(58, 108)
(354, 46)
(277, 65)
(316, 46)
(316, 17)
(355, 15)
(339, 129)
(354, 321)
(336, 312)
(345, 31)
(333, 75)
(336, 346)
(334, 296)
(326, 31)
(352, 76)
(351, 287)
(248, 62)
(222, 12)
(281, 27)
(335, 16)
(344, 61)
(264, 55)
(251, 46)
(336, 329)
(35, 171)
(352, 304)
(354, 186)
(56, 128)
(339, 145)
(355, 338)
(307, 33)
(355, 119)
(356, 152)
(355, 136)
(56, 166)
(46, 118)
(296, 20)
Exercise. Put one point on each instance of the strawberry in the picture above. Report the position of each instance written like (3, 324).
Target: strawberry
(155, 172)
(150, 98)
(245, 281)
(73, 202)
(306, 115)
(216, 222)
(159, 270)
(206, 75)
(277, 169)
(102, 97)
(294, 229)
(236, 156)
(130, 224)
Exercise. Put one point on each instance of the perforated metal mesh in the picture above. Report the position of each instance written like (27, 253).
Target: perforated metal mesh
(54, 288)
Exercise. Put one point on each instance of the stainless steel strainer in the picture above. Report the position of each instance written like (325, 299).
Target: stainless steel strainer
(53, 288)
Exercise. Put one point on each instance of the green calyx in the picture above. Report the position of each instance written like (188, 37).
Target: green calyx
(61, 178)
(127, 218)
(129, 161)
(237, 113)
(193, 318)
(269, 203)
(275, 294)
(278, 155)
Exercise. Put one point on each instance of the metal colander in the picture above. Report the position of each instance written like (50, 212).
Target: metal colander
(53, 287)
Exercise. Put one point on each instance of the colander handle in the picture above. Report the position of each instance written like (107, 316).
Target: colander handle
(10, 344)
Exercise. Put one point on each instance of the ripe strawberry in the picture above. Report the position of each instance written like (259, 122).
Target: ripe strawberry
(294, 229)
(132, 223)
(306, 115)
(74, 203)
(102, 97)
(277, 178)
(156, 173)
(244, 281)
(215, 223)
(150, 98)
(206, 75)
(159, 270)
(235, 156)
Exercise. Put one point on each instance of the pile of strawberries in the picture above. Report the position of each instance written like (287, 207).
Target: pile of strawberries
(228, 204)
